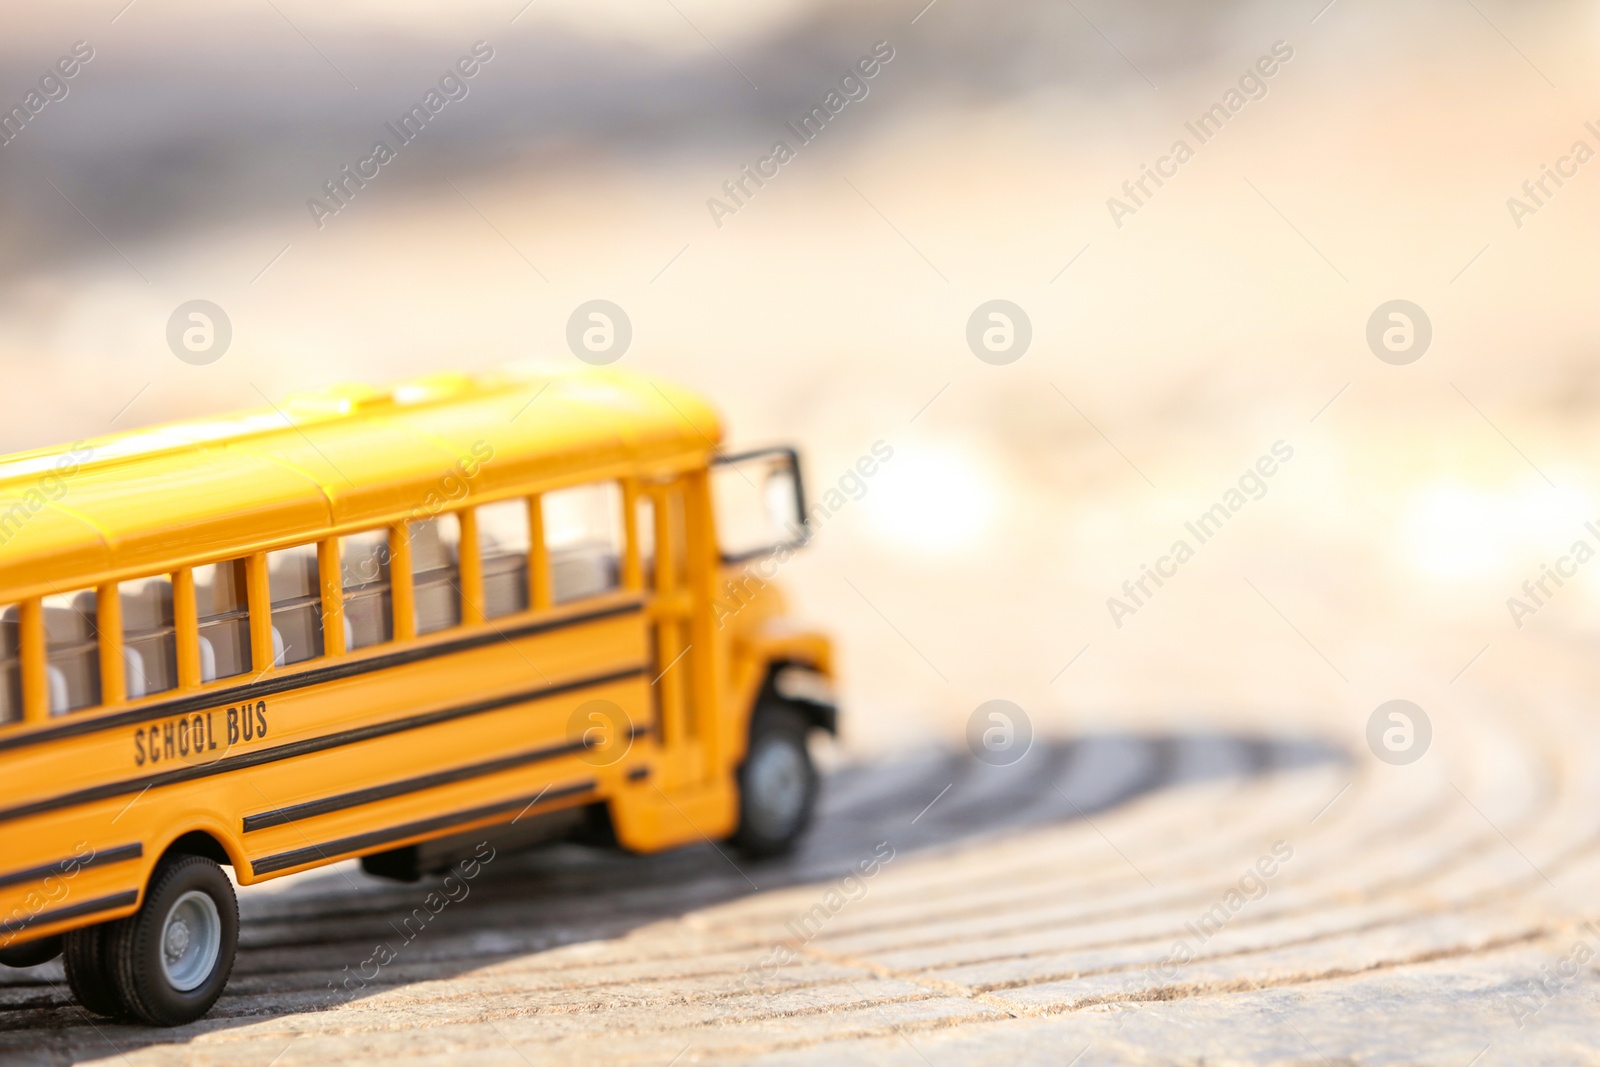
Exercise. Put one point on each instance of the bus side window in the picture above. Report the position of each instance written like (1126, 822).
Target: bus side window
(583, 535)
(149, 636)
(10, 665)
(368, 595)
(296, 593)
(224, 611)
(436, 572)
(72, 651)
(503, 545)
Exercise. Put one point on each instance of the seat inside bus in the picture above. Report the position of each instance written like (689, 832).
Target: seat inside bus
(582, 570)
(296, 594)
(72, 651)
(220, 602)
(436, 571)
(150, 643)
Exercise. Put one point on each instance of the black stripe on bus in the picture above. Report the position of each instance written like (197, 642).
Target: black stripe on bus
(75, 863)
(357, 797)
(311, 744)
(88, 907)
(285, 683)
(329, 850)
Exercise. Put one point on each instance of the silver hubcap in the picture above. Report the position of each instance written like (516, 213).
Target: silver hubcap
(776, 777)
(191, 941)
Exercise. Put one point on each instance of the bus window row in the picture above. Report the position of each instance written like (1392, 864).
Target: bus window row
(583, 546)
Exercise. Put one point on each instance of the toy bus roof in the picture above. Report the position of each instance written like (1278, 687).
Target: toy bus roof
(140, 501)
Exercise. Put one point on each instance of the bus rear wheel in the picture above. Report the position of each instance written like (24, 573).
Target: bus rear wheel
(88, 972)
(777, 783)
(169, 960)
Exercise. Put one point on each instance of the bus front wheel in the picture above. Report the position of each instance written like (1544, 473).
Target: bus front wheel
(777, 783)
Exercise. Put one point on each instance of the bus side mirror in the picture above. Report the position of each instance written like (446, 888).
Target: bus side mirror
(760, 503)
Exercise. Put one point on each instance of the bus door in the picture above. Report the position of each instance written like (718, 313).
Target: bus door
(664, 529)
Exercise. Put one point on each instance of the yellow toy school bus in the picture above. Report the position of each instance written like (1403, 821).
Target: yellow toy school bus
(366, 623)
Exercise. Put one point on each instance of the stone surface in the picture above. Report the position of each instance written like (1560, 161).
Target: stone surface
(1037, 913)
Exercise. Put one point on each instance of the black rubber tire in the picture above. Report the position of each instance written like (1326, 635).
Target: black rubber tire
(776, 731)
(134, 944)
(83, 954)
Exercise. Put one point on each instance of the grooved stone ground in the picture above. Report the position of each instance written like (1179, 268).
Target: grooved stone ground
(1032, 912)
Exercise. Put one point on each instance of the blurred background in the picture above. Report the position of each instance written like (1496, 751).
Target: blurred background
(1171, 345)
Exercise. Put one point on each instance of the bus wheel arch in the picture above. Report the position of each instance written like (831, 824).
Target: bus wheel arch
(202, 843)
(803, 686)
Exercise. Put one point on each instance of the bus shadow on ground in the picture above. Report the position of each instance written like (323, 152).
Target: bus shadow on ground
(317, 941)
